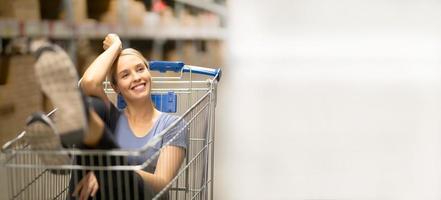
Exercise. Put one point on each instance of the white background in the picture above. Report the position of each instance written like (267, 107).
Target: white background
(330, 100)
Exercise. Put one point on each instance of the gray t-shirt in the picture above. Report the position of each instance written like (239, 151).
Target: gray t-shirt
(177, 136)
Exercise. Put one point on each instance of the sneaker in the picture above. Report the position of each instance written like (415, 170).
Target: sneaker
(58, 79)
(40, 135)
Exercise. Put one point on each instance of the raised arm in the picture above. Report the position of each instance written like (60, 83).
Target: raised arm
(93, 77)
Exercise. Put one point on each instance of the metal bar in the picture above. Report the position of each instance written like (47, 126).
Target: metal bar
(110, 185)
(212, 140)
(118, 181)
(126, 180)
(101, 174)
(198, 192)
(207, 137)
(176, 177)
(34, 180)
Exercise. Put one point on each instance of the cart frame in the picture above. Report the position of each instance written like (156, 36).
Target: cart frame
(29, 177)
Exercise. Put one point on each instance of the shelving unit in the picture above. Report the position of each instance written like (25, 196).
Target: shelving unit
(64, 30)
(70, 31)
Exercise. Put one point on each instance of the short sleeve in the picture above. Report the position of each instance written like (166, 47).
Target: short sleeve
(176, 136)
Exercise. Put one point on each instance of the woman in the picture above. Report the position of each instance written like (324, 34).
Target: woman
(134, 126)
(96, 123)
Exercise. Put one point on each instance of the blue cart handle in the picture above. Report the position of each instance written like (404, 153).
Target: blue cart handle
(177, 66)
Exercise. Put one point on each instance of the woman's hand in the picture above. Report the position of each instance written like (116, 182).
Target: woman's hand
(112, 39)
(87, 187)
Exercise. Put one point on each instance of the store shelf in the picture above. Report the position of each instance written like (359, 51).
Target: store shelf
(64, 30)
(212, 7)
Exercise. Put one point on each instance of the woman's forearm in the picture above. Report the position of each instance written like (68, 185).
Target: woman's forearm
(97, 71)
(169, 162)
(154, 181)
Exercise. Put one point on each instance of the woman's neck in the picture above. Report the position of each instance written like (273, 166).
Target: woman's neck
(142, 111)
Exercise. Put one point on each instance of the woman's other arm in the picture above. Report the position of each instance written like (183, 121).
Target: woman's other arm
(169, 162)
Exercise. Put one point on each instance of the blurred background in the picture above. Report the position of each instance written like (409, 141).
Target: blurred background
(318, 99)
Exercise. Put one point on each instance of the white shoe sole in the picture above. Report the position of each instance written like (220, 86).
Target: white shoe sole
(58, 79)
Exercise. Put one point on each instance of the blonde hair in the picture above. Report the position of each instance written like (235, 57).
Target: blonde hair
(124, 52)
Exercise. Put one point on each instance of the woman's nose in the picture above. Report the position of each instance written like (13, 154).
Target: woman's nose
(136, 77)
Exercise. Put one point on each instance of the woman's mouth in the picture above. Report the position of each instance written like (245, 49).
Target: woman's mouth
(138, 87)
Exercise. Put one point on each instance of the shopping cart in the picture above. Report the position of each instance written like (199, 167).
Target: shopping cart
(187, 91)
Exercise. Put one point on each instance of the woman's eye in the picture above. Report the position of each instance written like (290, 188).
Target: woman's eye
(124, 76)
(140, 69)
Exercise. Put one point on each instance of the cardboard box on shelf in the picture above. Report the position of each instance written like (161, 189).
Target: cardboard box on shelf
(173, 55)
(51, 9)
(167, 18)
(20, 9)
(135, 13)
(203, 53)
(186, 19)
(56, 10)
(189, 52)
(215, 53)
(86, 54)
(208, 20)
(80, 10)
(96, 8)
(19, 97)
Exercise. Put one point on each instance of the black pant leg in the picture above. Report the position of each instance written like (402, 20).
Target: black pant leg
(109, 185)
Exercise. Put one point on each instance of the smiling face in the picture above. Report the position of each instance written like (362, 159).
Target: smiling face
(132, 77)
